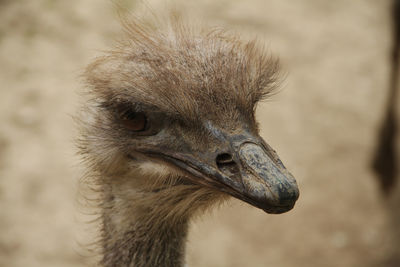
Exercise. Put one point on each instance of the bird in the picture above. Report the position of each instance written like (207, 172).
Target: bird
(385, 155)
(168, 130)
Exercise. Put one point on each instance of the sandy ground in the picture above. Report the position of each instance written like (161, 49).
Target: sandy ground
(323, 124)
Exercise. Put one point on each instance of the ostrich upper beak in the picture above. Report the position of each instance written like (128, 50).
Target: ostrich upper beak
(243, 166)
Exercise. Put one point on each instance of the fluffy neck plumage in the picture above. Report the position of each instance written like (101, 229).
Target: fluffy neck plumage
(144, 226)
(140, 244)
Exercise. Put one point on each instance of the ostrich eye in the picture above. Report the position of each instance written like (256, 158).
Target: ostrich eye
(134, 121)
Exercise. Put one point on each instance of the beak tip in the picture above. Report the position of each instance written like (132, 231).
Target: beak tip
(280, 201)
(279, 209)
(289, 196)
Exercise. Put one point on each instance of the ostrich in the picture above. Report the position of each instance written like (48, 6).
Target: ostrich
(386, 159)
(384, 162)
(168, 130)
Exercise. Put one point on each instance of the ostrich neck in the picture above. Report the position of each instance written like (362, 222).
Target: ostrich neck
(138, 246)
(143, 226)
(137, 234)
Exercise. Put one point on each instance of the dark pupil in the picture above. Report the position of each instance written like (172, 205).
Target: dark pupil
(134, 121)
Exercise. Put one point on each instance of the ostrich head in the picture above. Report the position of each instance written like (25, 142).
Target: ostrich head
(172, 113)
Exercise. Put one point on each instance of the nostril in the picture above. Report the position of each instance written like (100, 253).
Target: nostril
(224, 158)
(227, 165)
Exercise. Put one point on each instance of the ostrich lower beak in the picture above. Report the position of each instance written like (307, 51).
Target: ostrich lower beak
(250, 171)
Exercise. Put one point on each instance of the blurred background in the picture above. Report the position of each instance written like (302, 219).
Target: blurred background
(324, 124)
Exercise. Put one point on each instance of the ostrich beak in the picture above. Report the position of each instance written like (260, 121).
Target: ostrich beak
(243, 166)
(266, 182)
